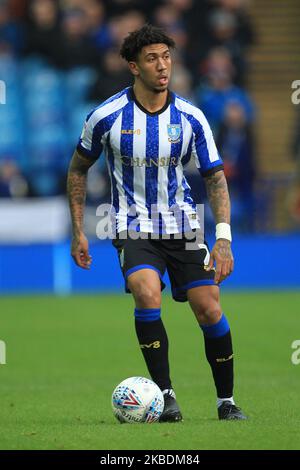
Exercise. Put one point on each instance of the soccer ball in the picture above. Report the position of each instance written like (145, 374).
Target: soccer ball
(137, 400)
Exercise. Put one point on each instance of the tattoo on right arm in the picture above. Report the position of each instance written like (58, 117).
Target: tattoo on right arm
(76, 189)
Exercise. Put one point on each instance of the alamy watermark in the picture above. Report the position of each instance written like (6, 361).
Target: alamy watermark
(154, 222)
(295, 97)
(2, 352)
(295, 358)
(2, 92)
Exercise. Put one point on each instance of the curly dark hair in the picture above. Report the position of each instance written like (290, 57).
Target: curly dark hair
(135, 41)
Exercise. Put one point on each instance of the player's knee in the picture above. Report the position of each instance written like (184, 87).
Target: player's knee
(145, 295)
(148, 298)
(208, 313)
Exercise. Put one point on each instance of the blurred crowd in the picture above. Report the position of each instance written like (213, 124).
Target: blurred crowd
(59, 58)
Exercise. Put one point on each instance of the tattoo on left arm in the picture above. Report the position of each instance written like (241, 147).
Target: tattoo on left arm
(218, 196)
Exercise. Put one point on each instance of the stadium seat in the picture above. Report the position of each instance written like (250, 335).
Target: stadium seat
(78, 83)
(45, 183)
(9, 70)
(76, 119)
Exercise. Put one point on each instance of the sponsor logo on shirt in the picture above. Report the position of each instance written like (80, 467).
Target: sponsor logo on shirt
(131, 131)
(159, 161)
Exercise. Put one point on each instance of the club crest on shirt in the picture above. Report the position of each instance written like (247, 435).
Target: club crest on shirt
(174, 132)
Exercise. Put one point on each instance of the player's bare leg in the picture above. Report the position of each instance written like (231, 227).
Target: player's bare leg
(146, 289)
(205, 303)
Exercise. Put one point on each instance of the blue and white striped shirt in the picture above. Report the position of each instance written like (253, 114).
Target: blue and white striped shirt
(145, 154)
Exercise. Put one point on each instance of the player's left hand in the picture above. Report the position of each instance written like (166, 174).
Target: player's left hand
(221, 254)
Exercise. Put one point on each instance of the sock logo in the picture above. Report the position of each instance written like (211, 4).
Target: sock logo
(224, 359)
(154, 345)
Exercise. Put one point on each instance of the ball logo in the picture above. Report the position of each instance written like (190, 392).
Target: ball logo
(137, 400)
(131, 400)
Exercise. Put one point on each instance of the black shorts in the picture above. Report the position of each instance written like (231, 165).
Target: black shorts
(185, 267)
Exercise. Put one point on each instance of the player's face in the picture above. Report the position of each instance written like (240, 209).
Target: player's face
(153, 67)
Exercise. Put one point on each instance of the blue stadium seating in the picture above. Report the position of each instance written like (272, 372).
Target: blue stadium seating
(78, 84)
(43, 116)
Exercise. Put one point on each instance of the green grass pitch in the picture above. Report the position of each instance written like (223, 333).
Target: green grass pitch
(64, 356)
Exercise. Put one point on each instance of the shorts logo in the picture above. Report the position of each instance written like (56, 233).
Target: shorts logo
(154, 345)
(174, 132)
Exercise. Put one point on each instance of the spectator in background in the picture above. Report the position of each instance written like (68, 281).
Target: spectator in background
(119, 26)
(113, 77)
(218, 89)
(183, 6)
(196, 27)
(235, 142)
(244, 30)
(18, 8)
(181, 82)
(296, 137)
(43, 35)
(223, 24)
(76, 48)
(12, 182)
(186, 13)
(77, 33)
(11, 31)
(169, 17)
(241, 38)
(293, 198)
(119, 7)
(97, 27)
(113, 73)
(223, 27)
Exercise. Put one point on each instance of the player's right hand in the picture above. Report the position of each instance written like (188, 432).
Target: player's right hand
(221, 254)
(80, 251)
